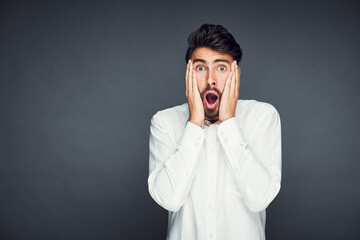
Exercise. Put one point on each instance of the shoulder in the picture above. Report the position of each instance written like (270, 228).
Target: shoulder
(255, 108)
(256, 117)
(174, 115)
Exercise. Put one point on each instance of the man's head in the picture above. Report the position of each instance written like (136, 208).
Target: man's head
(212, 49)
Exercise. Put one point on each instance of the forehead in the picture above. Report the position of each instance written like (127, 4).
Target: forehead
(209, 55)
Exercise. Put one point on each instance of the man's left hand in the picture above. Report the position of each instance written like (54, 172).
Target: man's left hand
(230, 94)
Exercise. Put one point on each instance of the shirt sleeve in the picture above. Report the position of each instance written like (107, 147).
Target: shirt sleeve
(256, 168)
(172, 165)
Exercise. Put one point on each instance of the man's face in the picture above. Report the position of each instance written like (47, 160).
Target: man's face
(211, 70)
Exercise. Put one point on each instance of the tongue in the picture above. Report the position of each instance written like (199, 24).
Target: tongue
(211, 98)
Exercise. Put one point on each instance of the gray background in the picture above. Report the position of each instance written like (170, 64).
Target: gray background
(80, 82)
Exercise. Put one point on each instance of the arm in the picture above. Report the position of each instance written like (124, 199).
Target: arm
(172, 164)
(256, 168)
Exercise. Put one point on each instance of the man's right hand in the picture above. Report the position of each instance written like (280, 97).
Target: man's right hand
(196, 107)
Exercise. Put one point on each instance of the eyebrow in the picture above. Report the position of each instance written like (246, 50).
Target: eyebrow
(222, 60)
(216, 60)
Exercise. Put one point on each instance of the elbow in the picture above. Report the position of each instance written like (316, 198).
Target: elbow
(256, 207)
(261, 203)
(172, 207)
(166, 201)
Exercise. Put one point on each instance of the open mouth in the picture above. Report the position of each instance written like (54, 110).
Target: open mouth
(211, 100)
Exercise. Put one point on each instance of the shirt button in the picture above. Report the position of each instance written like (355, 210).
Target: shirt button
(187, 173)
(211, 180)
(212, 151)
(211, 235)
(209, 206)
(196, 144)
(225, 141)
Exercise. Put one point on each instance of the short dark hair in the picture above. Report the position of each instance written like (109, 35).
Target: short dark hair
(215, 37)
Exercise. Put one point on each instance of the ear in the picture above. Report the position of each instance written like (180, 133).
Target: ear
(239, 70)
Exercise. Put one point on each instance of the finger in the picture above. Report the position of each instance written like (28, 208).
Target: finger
(190, 78)
(234, 76)
(239, 76)
(231, 85)
(187, 76)
(195, 88)
(236, 88)
(238, 80)
(228, 81)
(187, 70)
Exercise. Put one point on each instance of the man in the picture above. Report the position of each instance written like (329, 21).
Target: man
(215, 162)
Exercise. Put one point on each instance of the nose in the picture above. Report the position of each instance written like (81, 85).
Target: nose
(211, 80)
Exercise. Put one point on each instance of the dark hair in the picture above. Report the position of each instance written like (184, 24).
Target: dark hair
(215, 37)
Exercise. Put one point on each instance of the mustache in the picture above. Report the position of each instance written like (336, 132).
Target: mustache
(210, 88)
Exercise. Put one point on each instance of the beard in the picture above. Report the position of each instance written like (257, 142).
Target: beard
(211, 114)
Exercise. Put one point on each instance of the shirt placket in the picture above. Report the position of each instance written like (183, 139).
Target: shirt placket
(211, 150)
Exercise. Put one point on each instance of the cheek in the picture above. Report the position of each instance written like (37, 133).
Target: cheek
(222, 81)
(201, 81)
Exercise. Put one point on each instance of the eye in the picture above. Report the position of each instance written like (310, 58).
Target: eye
(200, 68)
(222, 68)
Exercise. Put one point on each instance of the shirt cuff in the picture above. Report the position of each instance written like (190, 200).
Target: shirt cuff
(229, 133)
(189, 146)
(192, 138)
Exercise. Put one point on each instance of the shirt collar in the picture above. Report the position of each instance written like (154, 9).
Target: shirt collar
(208, 123)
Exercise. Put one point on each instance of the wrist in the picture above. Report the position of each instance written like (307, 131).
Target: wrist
(226, 118)
(197, 122)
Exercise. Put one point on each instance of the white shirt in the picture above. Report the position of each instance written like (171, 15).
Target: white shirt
(216, 182)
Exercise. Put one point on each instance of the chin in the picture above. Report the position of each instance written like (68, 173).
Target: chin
(212, 115)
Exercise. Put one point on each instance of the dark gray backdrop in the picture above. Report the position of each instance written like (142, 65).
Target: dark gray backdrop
(80, 82)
